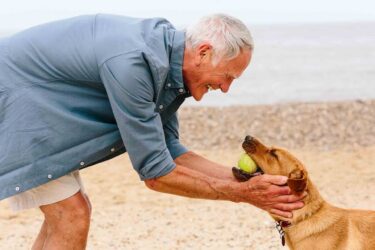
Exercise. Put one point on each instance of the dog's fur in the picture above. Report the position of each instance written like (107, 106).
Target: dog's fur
(318, 225)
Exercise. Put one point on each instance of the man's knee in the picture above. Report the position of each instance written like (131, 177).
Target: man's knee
(72, 213)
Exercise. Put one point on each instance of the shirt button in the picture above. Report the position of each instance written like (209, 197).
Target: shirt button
(82, 163)
(17, 188)
(49, 176)
(181, 90)
(161, 106)
(169, 85)
(112, 149)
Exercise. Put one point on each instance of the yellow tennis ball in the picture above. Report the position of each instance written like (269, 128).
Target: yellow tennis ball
(247, 164)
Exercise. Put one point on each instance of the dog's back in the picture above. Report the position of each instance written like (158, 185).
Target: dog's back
(334, 228)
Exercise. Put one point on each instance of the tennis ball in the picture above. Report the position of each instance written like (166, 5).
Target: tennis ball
(247, 164)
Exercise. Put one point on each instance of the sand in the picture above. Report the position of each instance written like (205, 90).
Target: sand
(126, 215)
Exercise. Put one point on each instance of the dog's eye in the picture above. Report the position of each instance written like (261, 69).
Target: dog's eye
(273, 153)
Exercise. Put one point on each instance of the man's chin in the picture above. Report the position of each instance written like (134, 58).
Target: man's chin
(197, 97)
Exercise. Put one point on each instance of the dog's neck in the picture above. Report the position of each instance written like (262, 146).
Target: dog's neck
(313, 218)
(313, 202)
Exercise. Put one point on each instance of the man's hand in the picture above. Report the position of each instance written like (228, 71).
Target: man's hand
(269, 193)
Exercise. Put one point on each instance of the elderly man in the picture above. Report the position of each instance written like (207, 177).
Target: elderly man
(76, 92)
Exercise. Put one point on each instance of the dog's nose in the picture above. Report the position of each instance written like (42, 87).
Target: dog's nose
(248, 138)
(249, 144)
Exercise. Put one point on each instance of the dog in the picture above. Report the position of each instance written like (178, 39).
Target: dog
(318, 225)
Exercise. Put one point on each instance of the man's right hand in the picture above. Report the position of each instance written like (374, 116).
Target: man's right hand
(269, 192)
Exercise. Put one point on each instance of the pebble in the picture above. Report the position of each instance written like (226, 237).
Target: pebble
(325, 126)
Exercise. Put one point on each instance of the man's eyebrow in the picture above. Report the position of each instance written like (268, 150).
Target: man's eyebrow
(229, 75)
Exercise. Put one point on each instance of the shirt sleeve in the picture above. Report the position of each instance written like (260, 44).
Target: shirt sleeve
(172, 137)
(129, 85)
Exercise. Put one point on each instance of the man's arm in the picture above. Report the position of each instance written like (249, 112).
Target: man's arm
(197, 177)
(190, 183)
(203, 165)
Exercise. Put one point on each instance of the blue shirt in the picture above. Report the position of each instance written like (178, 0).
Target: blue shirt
(82, 90)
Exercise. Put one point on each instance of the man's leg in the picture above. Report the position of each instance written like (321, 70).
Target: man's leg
(42, 236)
(39, 242)
(67, 223)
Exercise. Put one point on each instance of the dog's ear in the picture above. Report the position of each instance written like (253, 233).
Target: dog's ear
(297, 181)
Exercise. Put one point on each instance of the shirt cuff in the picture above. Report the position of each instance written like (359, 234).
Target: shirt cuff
(158, 169)
(176, 148)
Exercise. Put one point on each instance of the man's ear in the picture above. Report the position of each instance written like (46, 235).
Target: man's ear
(297, 181)
(203, 53)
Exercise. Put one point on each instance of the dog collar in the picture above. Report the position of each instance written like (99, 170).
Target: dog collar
(280, 225)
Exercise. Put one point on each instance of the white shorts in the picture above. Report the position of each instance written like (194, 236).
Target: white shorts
(48, 193)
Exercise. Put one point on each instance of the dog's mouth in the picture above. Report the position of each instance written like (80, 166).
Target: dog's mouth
(249, 145)
(242, 176)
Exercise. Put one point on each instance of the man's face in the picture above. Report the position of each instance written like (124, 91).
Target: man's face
(204, 76)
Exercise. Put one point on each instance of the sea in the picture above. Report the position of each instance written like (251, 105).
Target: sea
(319, 62)
(304, 62)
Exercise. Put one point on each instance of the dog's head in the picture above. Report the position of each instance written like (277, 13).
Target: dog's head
(277, 161)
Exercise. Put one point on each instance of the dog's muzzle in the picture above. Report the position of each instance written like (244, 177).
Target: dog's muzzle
(242, 176)
(249, 144)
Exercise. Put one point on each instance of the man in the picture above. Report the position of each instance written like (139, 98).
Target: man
(80, 91)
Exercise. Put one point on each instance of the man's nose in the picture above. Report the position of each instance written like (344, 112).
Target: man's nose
(225, 86)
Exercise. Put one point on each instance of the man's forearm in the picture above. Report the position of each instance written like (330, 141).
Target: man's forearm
(203, 165)
(188, 182)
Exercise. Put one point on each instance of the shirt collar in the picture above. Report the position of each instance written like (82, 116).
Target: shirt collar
(176, 60)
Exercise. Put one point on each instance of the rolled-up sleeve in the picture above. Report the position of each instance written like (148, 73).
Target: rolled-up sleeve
(172, 137)
(129, 85)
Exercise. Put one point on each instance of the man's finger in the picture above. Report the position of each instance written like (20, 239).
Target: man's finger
(280, 191)
(290, 198)
(281, 213)
(275, 179)
(289, 207)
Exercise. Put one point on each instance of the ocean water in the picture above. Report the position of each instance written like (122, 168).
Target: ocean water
(305, 63)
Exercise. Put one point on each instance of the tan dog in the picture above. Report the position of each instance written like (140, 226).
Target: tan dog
(318, 225)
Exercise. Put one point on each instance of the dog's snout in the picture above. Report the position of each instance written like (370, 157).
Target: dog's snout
(248, 138)
(249, 144)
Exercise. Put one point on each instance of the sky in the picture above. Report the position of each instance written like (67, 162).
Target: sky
(20, 14)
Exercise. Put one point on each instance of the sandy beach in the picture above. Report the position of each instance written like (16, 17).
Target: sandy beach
(336, 141)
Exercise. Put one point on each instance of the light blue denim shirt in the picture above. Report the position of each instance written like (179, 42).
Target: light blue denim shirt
(83, 90)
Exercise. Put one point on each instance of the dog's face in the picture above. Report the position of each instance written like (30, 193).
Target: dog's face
(277, 161)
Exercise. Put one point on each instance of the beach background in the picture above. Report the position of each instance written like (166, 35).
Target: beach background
(310, 88)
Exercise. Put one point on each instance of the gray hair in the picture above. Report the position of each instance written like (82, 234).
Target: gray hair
(227, 36)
